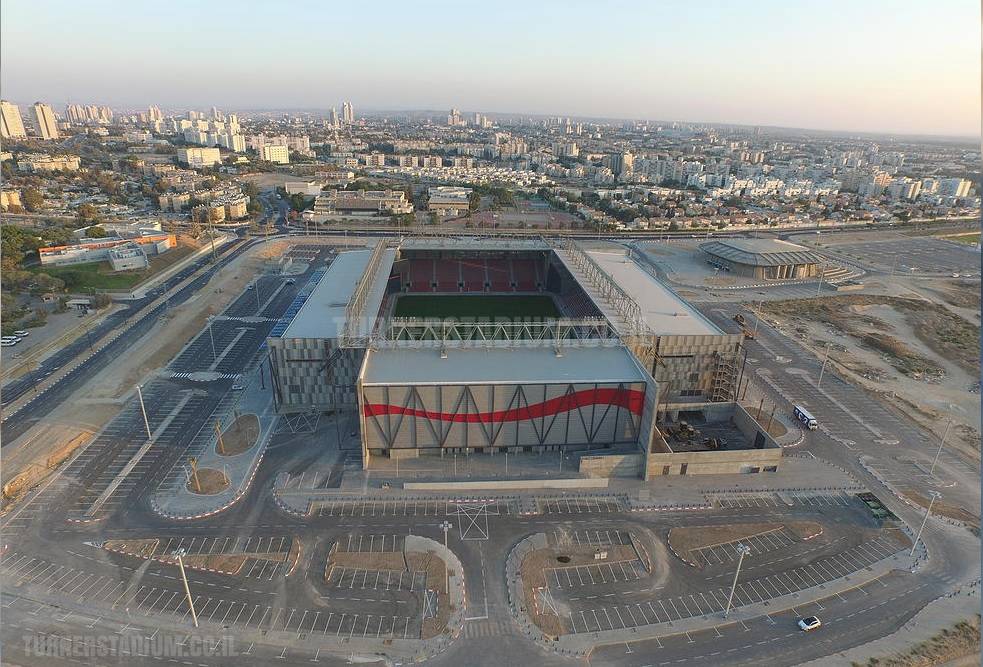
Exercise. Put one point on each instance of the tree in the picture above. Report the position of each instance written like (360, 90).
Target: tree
(32, 199)
(473, 200)
(101, 301)
(95, 232)
(87, 213)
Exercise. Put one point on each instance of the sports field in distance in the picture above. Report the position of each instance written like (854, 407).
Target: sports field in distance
(472, 306)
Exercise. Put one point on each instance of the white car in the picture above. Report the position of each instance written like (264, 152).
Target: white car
(809, 623)
(22, 334)
(9, 343)
(12, 339)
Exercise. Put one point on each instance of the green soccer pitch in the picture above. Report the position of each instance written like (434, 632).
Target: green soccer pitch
(472, 306)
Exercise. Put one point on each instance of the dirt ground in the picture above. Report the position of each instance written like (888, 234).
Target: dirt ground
(945, 509)
(210, 482)
(921, 356)
(776, 430)
(533, 573)
(434, 566)
(958, 645)
(389, 560)
(240, 436)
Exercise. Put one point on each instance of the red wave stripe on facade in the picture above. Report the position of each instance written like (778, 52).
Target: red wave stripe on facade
(628, 399)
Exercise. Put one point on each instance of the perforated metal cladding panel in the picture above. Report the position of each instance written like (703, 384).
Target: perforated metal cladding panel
(502, 415)
(313, 373)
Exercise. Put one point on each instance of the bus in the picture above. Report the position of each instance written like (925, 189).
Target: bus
(805, 417)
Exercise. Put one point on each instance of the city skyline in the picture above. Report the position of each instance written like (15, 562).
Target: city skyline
(867, 70)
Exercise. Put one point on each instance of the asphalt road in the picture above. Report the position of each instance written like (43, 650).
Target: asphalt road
(59, 581)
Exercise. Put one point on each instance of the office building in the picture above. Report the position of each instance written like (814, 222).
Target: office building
(347, 113)
(277, 154)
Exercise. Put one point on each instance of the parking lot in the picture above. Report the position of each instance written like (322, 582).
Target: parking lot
(758, 544)
(915, 255)
(579, 505)
(635, 609)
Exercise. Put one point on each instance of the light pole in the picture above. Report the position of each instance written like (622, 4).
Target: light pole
(821, 276)
(211, 337)
(757, 317)
(823, 369)
(187, 590)
(743, 550)
(934, 495)
(446, 526)
(941, 443)
(256, 288)
(143, 409)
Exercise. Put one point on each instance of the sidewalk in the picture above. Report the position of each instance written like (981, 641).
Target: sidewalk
(174, 499)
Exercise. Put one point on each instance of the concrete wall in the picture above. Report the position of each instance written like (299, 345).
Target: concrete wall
(499, 485)
(613, 465)
(712, 462)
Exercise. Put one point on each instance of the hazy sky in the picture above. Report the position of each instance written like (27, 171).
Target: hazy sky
(865, 65)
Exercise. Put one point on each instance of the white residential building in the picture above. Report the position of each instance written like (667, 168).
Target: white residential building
(199, 157)
(11, 124)
(44, 118)
(277, 154)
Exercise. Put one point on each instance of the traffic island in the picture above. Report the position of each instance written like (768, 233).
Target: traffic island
(278, 555)
(239, 437)
(207, 482)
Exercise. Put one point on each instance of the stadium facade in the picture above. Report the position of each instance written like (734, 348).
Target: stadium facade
(763, 259)
(624, 353)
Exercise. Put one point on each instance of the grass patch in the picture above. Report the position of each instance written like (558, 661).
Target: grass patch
(470, 307)
(99, 275)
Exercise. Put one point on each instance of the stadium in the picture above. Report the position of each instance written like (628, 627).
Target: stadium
(478, 346)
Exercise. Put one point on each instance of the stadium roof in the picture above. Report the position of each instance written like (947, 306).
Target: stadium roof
(471, 243)
(760, 252)
(665, 312)
(323, 314)
(498, 365)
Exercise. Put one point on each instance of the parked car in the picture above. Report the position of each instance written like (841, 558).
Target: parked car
(22, 333)
(9, 343)
(238, 387)
(809, 623)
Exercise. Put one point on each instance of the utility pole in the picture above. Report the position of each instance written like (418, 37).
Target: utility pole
(256, 288)
(934, 496)
(941, 443)
(743, 550)
(823, 369)
(821, 276)
(143, 409)
(187, 590)
(211, 235)
(757, 318)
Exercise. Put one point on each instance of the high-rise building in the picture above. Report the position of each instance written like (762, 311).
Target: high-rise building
(154, 113)
(334, 118)
(278, 154)
(622, 163)
(347, 113)
(11, 124)
(44, 118)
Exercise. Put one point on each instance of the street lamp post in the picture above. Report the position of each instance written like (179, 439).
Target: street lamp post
(945, 434)
(743, 550)
(256, 288)
(823, 369)
(446, 526)
(821, 276)
(187, 590)
(934, 495)
(143, 409)
(757, 318)
(211, 337)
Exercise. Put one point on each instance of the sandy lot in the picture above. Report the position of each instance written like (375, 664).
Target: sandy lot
(919, 355)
